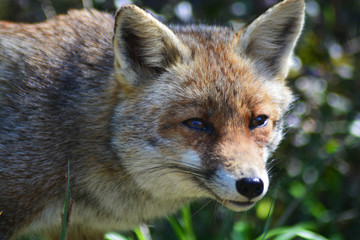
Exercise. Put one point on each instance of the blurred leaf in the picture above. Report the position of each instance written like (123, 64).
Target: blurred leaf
(241, 230)
(332, 146)
(316, 208)
(297, 189)
(115, 236)
(288, 233)
(264, 208)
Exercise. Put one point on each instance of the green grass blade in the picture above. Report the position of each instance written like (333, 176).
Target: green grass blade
(115, 236)
(183, 226)
(289, 233)
(268, 219)
(66, 207)
(179, 232)
(142, 233)
(188, 225)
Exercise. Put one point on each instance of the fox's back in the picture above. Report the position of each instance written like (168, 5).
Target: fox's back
(56, 50)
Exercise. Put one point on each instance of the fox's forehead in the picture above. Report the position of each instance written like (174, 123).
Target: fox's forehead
(199, 37)
(227, 90)
(215, 61)
(227, 83)
(208, 44)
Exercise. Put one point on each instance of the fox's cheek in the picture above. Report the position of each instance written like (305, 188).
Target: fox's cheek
(265, 154)
(262, 136)
(191, 159)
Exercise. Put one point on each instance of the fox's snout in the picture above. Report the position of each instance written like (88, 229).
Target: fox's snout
(239, 189)
(238, 193)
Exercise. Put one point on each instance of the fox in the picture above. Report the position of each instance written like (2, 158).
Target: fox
(136, 118)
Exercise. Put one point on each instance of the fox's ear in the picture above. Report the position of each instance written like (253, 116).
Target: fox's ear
(143, 46)
(270, 39)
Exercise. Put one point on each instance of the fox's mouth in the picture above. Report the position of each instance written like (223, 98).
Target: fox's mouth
(237, 206)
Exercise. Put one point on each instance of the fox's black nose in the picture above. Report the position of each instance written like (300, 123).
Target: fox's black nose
(250, 187)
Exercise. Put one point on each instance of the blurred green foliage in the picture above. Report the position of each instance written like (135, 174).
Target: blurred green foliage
(315, 191)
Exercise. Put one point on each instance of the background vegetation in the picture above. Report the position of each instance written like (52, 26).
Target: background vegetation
(315, 192)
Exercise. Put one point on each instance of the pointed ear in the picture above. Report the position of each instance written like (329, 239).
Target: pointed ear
(143, 46)
(270, 39)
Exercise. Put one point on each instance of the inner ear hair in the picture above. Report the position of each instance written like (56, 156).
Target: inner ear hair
(270, 39)
(143, 44)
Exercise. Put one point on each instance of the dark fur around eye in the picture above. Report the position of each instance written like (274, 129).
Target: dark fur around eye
(199, 125)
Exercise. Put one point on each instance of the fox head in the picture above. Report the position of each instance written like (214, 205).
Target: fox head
(201, 108)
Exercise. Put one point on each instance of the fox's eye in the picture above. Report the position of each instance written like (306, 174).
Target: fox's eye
(198, 124)
(259, 121)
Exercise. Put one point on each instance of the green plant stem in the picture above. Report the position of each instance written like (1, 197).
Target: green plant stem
(66, 207)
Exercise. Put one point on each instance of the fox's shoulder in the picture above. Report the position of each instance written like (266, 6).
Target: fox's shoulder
(78, 40)
(78, 28)
(73, 18)
(70, 52)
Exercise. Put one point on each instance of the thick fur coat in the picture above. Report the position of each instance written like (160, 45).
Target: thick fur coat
(148, 117)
